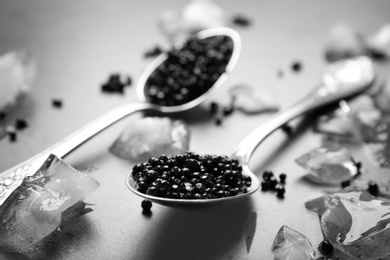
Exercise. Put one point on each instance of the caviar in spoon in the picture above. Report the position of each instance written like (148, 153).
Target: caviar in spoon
(189, 72)
(191, 176)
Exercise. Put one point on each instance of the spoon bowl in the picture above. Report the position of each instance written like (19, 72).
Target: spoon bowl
(198, 203)
(212, 32)
(342, 80)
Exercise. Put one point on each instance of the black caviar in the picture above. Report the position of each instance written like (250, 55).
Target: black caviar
(271, 183)
(190, 71)
(373, 188)
(20, 124)
(116, 84)
(12, 135)
(146, 206)
(326, 248)
(296, 66)
(155, 51)
(191, 176)
(57, 103)
(241, 20)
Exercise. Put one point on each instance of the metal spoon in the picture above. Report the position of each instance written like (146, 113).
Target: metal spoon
(342, 80)
(10, 179)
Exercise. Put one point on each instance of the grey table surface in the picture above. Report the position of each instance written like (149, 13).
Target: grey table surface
(77, 44)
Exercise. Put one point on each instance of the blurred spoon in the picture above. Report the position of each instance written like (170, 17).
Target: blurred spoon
(11, 178)
(342, 80)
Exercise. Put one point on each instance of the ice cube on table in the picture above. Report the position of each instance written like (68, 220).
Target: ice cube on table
(344, 42)
(356, 223)
(17, 72)
(252, 101)
(379, 43)
(35, 208)
(353, 121)
(289, 244)
(151, 137)
(329, 164)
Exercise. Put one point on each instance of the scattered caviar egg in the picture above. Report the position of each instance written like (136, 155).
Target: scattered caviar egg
(151, 136)
(56, 102)
(146, 206)
(191, 176)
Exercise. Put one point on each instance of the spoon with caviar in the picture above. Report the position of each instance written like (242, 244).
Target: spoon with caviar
(174, 82)
(192, 180)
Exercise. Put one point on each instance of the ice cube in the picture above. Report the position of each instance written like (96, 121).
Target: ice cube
(35, 208)
(196, 15)
(344, 42)
(252, 101)
(356, 223)
(379, 43)
(150, 137)
(354, 120)
(289, 244)
(17, 72)
(329, 164)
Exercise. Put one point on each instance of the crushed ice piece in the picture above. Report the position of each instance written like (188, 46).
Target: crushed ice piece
(252, 101)
(379, 43)
(343, 42)
(381, 150)
(289, 244)
(382, 98)
(150, 137)
(355, 120)
(195, 16)
(329, 164)
(17, 72)
(356, 223)
(42, 203)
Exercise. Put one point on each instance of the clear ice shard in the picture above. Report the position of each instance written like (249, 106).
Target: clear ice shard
(39, 205)
(252, 101)
(329, 164)
(289, 244)
(355, 223)
(151, 136)
(353, 121)
(17, 73)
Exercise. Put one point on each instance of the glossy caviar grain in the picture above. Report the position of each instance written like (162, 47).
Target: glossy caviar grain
(191, 176)
(155, 51)
(241, 20)
(326, 248)
(20, 124)
(12, 135)
(373, 188)
(270, 183)
(116, 84)
(57, 103)
(146, 205)
(296, 66)
(190, 71)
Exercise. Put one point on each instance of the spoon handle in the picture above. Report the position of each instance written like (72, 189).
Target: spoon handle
(309, 104)
(343, 79)
(71, 142)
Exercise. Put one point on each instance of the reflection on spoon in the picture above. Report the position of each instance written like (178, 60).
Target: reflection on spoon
(203, 41)
(342, 80)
